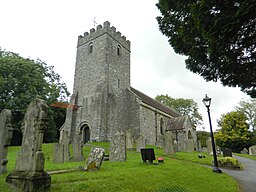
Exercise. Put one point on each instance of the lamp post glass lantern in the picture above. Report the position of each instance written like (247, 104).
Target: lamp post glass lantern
(207, 103)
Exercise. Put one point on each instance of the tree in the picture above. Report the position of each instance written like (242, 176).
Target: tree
(21, 80)
(249, 109)
(234, 132)
(182, 106)
(202, 136)
(219, 38)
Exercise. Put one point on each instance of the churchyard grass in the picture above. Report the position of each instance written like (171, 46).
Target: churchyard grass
(193, 157)
(133, 175)
(253, 157)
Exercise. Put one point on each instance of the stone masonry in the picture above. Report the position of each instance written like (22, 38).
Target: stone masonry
(106, 103)
(6, 132)
(29, 174)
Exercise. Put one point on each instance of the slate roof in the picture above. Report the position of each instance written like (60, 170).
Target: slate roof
(176, 123)
(152, 102)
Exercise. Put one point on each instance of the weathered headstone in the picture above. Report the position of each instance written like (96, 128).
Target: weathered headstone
(190, 146)
(6, 131)
(29, 174)
(245, 151)
(252, 150)
(118, 147)
(204, 149)
(77, 149)
(129, 140)
(140, 143)
(227, 152)
(209, 146)
(168, 143)
(95, 159)
(160, 141)
(61, 149)
(58, 153)
(199, 146)
(175, 146)
(218, 149)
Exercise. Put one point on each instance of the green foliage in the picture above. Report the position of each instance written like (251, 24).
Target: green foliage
(217, 36)
(132, 175)
(182, 106)
(229, 162)
(21, 80)
(234, 133)
(249, 109)
(202, 136)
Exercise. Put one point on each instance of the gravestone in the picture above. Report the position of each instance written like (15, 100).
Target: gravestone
(118, 147)
(227, 152)
(209, 146)
(190, 146)
(129, 140)
(147, 155)
(168, 143)
(204, 149)
(218, 150)
(6, 132)
(58, 153)
(199, 146)
(78, 149)
(175, 146)
(29, 174)
(61, 149)
(252, 150)
(245, 151)
(95, 159)
(140, 143)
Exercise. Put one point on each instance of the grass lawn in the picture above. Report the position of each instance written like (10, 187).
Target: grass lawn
(253, 157)
(133, 175)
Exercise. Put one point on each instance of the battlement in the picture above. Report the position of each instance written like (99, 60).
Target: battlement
(100, 30)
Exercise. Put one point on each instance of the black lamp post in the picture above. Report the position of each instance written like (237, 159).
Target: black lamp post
(207, 103)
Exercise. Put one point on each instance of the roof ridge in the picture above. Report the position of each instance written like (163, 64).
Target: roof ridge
(154, 103)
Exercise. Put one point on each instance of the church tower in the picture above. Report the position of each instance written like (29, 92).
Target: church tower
(102, 77)
(103, 59)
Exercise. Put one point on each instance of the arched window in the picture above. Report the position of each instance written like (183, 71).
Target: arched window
(119, 50)
(189, 135)
(90, 47)
(161, 126)
(118, 82)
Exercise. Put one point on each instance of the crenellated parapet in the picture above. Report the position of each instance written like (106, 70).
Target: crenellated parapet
(101, 30)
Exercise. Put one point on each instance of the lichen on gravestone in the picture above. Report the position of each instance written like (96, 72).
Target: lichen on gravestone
(95, 159)
(29, 174)
(6, 132)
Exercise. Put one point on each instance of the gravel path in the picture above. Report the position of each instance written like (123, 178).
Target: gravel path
(247, 177)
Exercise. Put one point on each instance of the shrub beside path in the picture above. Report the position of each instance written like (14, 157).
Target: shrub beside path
(247, 177)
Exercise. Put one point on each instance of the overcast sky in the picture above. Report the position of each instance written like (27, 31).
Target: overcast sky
(48, 29)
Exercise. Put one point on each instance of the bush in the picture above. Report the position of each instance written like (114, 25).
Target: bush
(229, 162)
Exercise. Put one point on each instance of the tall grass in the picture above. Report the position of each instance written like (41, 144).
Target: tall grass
(132, 175)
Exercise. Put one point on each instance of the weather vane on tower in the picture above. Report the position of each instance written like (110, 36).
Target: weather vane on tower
(94, 21)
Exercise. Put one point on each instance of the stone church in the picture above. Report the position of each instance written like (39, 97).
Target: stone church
(104, 102)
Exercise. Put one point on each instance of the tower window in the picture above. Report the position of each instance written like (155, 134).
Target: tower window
(161, 126)
(118, 82)
(90, 47)
(119, 50)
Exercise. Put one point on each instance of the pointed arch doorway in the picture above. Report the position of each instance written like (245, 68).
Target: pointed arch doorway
(85, 133)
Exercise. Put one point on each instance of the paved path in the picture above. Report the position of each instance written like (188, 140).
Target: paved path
(247, 177)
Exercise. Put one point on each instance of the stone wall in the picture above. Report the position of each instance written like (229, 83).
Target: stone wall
(103, 66)
(148, 125)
